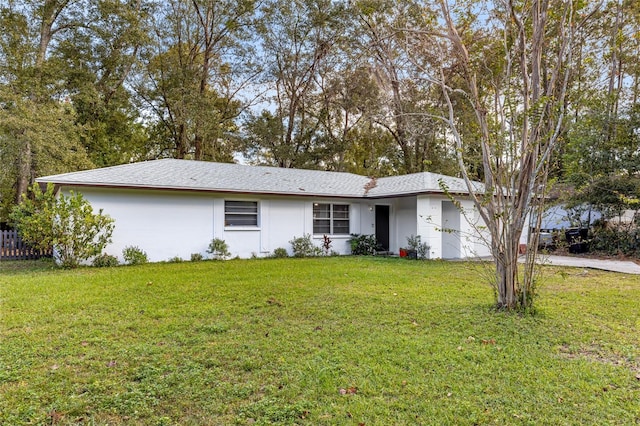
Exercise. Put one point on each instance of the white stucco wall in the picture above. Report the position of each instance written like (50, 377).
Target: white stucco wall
(468, 237)
(166, 224)
(473, 235)
(406, 221)
(452, 230)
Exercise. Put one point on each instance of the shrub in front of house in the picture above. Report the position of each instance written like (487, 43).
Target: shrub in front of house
(134, 255)
(280, 252)
(304, 247)
(105, 261)
(66, 224)
(219, 249)
(363, 245)
(196, 257)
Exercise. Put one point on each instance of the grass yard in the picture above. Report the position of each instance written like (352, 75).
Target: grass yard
(333, 341)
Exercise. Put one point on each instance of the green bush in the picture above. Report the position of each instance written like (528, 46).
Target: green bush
(219, 249)
(196, 257)
(304, 247)
(175, 259)
(363, 245)
(134, 255)
(105, 261)
(280, 252)
(66, 224)
(613, 241)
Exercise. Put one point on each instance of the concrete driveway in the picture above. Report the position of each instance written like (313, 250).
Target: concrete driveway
(623, 266)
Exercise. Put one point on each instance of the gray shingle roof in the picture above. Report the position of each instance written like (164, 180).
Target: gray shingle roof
(224, 177)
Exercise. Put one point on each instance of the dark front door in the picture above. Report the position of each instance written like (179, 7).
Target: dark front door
(382, 226)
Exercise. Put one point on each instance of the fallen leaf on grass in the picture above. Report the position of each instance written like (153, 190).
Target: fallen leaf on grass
(489, 342)
(55, 416)
(349, 391)
(111, 363)
(274, 302)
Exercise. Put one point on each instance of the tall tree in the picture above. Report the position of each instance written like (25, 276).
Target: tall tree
(519, 116)
(100, 57)
(194, 71)
(297, 37)
(345, 101)
(38, 133)
(380, 35)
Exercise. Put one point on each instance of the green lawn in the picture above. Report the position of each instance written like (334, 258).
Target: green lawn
(333, 341)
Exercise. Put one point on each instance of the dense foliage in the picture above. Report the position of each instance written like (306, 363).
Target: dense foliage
(363, 245)
(305, 247)
(65, 223)
(134, 255)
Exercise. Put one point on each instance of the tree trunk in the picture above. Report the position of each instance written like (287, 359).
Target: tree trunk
(25, 167)
(24, 170)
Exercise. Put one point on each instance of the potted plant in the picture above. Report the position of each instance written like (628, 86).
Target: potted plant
(416, 248)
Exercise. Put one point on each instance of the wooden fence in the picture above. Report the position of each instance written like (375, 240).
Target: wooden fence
(13, 248)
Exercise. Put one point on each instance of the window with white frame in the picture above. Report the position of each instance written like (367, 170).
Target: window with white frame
(331, 219)
(240, 213)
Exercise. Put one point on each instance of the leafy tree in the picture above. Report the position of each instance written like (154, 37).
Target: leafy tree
(36, 138)
(407, 107)
(63, 101)
(609, 195)
(298, 37)
(192, 75)
(100, 57)
(519, 108)
(65, 223)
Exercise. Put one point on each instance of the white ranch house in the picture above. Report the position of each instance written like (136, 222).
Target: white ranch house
(173, 208)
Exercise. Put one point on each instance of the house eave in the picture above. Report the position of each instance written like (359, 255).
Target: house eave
(103, 185)
(199, 190)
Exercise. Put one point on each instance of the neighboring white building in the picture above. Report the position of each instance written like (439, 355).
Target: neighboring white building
(173, 208)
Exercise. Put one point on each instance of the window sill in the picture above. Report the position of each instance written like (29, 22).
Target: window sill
(241, 228)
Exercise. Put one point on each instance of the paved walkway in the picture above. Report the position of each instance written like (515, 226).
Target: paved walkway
(624, 266)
